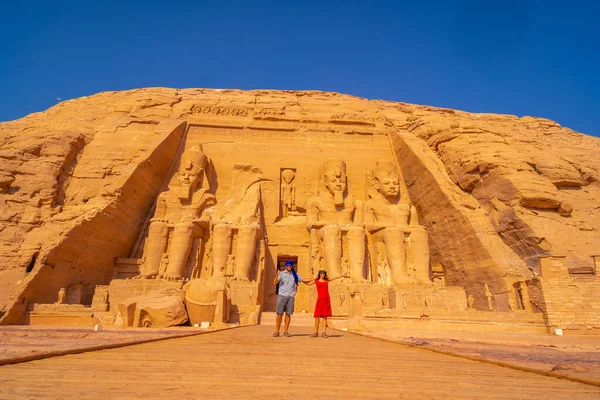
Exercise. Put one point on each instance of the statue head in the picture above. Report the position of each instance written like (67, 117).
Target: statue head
(288, 175)
(386, 180)
(191, 171)
(333, 176)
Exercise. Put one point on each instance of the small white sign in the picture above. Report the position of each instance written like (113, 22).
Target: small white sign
(204, 324)
(558, 332)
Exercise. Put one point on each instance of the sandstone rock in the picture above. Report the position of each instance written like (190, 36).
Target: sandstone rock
(78, 182)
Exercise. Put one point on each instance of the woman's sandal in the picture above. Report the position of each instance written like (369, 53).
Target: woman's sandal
(324, 335)
(314, 335)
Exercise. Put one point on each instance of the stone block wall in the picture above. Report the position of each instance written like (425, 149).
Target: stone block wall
(571, 304)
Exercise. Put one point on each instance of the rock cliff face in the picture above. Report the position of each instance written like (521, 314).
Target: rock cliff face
(77, 182)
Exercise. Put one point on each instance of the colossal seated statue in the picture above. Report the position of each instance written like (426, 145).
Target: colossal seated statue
(182, 215)
(239, 219)
(394, 230)
(332, 214)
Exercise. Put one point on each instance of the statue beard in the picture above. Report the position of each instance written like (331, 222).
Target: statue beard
(185, 192)
(392, 198)
(338, 198)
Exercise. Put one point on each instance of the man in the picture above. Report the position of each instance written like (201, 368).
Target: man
(288, 281)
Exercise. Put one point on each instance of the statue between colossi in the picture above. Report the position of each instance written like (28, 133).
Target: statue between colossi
(240, 216)
(389, 221)
(330, 214)
(288, 192)
(185, 209)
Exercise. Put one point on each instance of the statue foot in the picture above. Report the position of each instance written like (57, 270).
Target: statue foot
(424, 282)
(405, 280)
(170, 277)
(149, 276)
(241, 278)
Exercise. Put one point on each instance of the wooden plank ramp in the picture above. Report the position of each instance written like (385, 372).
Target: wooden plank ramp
(248, 363)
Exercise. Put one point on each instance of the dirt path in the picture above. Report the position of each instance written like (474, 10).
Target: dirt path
(249, 363)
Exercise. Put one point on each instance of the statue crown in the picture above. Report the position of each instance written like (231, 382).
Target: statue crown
(384, 168)
(196, 155)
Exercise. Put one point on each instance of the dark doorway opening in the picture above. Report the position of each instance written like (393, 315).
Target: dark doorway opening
(281, 260)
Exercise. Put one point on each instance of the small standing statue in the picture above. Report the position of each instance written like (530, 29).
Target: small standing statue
(470, 303)
(288, 192)
(61, 296)
(488, 294)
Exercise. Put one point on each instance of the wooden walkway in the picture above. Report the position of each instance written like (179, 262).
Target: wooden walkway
(248, 363)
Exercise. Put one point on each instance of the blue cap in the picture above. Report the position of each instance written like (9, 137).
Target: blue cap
(289, 262)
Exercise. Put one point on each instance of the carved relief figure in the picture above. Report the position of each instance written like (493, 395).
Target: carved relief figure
(288, 192)
(183, 211)
(334, 212)
(394, 228)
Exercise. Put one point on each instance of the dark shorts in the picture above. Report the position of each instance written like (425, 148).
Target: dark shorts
(285, 304)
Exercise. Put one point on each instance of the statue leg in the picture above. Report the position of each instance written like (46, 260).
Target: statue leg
(245, 251)
(221, 248)
(396, 255)
(332, 249)
(419, 247)
(156, 244)
(356, 253)
(181, 244)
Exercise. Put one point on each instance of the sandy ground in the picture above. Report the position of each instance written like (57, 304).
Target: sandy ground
(248, 363)
(575, 356)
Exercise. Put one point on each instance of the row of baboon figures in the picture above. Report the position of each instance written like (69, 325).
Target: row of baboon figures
(337, 223)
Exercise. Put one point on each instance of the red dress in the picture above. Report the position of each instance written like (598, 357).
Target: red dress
(323, 306)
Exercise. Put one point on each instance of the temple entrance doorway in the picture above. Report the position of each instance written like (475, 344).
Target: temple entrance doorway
(282, 259)
(272, 290)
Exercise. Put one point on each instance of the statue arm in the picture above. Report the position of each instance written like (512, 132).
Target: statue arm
(412, 216)
(312, 215)
(371, 224)
(161, 207)
(359, 215)
(208, 208)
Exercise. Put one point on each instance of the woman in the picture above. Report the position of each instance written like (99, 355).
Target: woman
(323, 306)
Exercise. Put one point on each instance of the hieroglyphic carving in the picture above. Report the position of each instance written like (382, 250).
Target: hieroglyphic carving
(222, 111)
(269, 112)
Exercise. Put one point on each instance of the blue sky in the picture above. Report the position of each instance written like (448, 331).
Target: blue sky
(539, 58)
